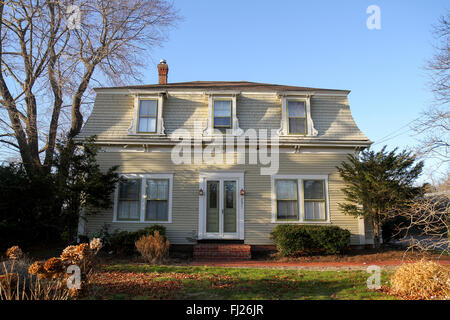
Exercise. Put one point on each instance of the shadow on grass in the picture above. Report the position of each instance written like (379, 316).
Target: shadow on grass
(175, 282)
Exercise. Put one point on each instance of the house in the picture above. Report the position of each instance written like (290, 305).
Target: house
(218, 161)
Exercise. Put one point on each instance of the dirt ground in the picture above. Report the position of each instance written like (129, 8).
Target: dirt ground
(367, 255)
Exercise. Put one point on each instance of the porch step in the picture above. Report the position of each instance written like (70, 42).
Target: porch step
(221, 251)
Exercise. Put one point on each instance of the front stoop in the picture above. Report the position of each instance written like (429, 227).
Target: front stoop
(220, 251)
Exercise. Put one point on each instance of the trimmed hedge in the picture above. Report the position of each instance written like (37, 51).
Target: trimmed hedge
(123, 242)
(294, 240)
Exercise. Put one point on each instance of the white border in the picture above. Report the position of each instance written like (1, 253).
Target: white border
(300, 179)
(143, 196)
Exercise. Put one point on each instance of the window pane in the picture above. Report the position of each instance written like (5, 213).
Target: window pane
(314, 189)
(212, 193)
(148, 108)
(297, 125)
(129, 189)
(296, 108)
(147, 124)
(128, 210)
(157, 189)
(315, 210)
(222, 122)
(230, 191)
(156, 210)
(286, 190)
(222, 108)
(286, 210)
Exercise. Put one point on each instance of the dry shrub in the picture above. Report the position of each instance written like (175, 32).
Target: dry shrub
(16, 286)
(154, 248)
(14, 253)
(421, 280)
(46, 280)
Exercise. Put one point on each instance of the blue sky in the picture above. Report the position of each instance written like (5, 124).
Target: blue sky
(323, 44)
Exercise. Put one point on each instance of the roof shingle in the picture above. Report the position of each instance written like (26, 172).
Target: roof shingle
(224, 85)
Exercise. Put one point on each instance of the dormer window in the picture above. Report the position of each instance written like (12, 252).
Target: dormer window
(223, 114)
(148, 111)
(148, 115)
(296, 116)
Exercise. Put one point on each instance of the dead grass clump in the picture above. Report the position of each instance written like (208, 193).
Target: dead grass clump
(421, 280)
(154, 248)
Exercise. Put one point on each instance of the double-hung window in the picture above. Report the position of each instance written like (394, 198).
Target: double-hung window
(297, 117)
(144, 198)
(222, 114)
(148, 115)
(157, 204)
(287, 199)
(128, 208)
(314, 200)
(300, 198)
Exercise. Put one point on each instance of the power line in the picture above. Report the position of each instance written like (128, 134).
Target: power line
(390, 137)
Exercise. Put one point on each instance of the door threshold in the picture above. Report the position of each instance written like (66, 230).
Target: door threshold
(223, 241)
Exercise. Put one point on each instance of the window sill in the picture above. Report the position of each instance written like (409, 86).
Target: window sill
(301, 222)
(142, 222)
(147, 134)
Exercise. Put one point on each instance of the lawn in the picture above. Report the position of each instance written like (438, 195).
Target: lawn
(139, 281)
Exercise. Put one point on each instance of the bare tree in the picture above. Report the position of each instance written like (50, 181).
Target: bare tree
(433, 127)
(52, 50)
(428, 228)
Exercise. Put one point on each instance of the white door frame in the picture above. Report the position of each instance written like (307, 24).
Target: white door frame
(221, 175)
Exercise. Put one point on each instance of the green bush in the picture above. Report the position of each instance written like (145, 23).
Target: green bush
(124, 241)
(294, 240)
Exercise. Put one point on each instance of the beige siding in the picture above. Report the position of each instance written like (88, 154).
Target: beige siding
(258, 204)
(113, 113)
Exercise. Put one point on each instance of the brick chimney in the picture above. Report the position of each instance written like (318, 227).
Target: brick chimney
(163, 70)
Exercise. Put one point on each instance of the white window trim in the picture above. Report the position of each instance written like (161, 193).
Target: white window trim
(143, 197)
(284, 129)
(160, 129)
(235, 130)
(301, 209)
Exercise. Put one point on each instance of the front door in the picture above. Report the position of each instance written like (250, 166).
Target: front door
(220, 216)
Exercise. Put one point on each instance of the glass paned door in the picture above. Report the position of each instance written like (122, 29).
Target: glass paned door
(213, 207)
(229, 206)
(221, 207)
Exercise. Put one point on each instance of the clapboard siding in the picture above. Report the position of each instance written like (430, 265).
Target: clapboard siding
(113, 113)
(258, 204)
